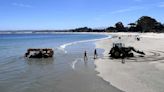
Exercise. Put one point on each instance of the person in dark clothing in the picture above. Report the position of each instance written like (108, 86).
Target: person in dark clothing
(123, 58)
(95, 54)
(85, 56)
(138, 39)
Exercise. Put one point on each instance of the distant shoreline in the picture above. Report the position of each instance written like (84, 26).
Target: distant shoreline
(68, 32)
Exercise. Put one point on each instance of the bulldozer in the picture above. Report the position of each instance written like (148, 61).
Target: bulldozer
(120, 51)
(39, 53)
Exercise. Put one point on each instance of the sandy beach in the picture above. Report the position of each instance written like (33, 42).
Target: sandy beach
(138, 74)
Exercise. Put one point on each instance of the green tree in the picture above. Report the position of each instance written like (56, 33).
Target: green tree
(120, 27)
(147, 23)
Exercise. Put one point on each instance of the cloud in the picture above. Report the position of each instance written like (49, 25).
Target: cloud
(127, 10)
(146, 7)
(21, 5)
(161, 4)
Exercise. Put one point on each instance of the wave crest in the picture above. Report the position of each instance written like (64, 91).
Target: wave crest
(62, 47)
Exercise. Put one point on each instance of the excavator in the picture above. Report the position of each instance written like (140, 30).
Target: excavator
(120, 51)
(39, 53)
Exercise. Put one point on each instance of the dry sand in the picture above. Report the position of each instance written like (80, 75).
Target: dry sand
(138, 74)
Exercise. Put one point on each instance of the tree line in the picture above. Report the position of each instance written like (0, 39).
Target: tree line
(143, 24)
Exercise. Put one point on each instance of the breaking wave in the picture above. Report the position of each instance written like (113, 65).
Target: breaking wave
(62, 47)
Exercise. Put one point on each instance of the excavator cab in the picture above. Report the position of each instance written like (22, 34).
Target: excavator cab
(118, 45)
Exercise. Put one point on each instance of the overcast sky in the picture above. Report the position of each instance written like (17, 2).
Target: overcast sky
(66, 14)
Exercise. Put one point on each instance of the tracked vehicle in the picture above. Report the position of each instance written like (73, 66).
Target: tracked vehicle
(39, 53)
(120, 51)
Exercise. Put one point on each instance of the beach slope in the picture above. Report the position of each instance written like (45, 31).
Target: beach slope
(138, 74)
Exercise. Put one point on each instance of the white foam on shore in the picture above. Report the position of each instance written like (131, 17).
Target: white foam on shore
(62, 47)
(75, 62)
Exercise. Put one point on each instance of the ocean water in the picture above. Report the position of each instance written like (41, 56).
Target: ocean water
(17, 44)
(65, 72)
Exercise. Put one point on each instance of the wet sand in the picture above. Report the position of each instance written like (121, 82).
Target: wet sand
(66, 72)
(138, 74)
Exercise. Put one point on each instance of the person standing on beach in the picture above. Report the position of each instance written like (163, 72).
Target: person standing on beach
(85, 56)
(95, 54)
(123, 58)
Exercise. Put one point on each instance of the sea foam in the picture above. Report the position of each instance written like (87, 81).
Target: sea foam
(62, 47)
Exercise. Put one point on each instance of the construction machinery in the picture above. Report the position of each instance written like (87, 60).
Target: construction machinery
(120, 51)
(39, 53)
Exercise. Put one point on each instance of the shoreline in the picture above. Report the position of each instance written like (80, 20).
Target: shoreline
(65, 72)
(138, 75)
(112, 75)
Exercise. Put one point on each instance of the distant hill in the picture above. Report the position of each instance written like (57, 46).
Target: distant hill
(143, 24)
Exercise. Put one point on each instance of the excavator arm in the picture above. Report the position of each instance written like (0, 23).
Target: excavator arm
(137, 51)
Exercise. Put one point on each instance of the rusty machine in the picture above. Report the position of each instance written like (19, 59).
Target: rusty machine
(120, 51)
(39, 53)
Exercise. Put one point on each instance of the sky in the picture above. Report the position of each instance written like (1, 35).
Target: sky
(69, 14)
